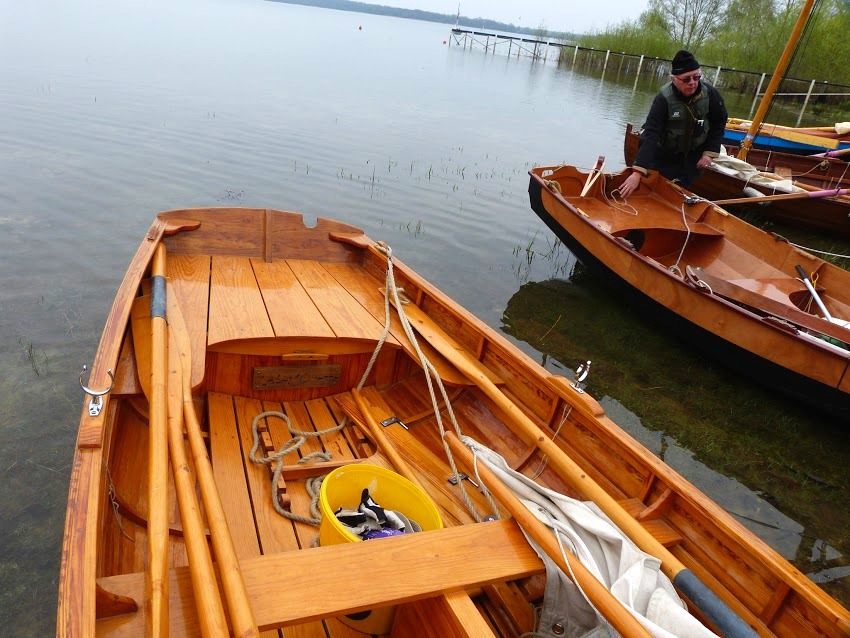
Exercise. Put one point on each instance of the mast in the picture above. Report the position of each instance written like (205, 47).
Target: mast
(775, 79)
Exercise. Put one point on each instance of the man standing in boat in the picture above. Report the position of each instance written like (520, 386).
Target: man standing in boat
(683, 130)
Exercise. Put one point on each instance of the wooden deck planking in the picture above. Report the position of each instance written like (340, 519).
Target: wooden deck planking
(366, 289)
(189, 276)
(236, 310)
(345, 315)
(300, 501)
(229, 472)
(275, 532)
(292, 312)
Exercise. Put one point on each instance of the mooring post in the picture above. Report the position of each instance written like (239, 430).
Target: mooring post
(607, 55)
(575, 53)
(640, 65)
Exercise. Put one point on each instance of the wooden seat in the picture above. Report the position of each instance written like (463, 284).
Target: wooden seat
(409, 567)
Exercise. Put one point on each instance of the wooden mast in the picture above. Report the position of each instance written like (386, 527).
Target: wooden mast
(784, 60)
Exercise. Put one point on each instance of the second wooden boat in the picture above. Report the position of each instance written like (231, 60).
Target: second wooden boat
(238, 334)
(730, 289)
(816, 175)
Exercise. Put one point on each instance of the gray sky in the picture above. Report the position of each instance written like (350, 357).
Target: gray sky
(558, 15)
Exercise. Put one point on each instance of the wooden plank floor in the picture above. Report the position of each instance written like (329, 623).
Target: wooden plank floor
(248, 503)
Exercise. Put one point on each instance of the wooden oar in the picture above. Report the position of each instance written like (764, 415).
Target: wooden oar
(717, 612)
(594, 175)
(836, 192)
(204, 585)
(238, 604)
(613, 610)
(384, 444)
(156, 583)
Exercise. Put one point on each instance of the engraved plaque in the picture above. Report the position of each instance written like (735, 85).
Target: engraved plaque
(321, 376)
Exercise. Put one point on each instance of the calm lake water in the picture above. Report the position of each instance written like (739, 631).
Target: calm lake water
(111, 112)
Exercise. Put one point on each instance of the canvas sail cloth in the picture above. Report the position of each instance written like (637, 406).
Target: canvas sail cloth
(734, 167)
(632, 576)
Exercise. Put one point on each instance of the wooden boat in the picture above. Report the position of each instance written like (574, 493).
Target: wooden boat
(787, 139)
(260, 313)
(815, 175)
(729, 288)
(755, 133)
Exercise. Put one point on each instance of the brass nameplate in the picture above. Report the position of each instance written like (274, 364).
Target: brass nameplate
(321, 376)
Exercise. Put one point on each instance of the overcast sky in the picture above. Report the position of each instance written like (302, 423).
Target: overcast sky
(558, 15)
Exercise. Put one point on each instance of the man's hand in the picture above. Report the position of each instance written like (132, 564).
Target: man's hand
(630, 185)
(705, 161)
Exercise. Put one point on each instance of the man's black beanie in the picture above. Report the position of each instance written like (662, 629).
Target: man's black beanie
(683, 62)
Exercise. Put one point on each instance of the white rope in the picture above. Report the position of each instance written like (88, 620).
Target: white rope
(819, 252)
(545, 460)
(575, 580)
(675, 267)
(430, 371)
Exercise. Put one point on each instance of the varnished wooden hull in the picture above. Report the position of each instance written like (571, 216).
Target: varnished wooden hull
(830, 214)
(259, 291)
(746, 339)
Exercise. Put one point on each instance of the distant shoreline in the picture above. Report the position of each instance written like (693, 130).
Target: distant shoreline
(429, 16)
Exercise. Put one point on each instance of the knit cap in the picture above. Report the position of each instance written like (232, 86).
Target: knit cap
(683, 62)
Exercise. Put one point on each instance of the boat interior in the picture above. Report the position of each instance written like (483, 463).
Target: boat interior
(675, 230)
(290, 327)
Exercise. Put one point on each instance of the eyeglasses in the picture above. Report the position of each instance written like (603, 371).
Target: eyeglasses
(689, 79)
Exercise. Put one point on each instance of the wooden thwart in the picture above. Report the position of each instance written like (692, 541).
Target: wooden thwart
(408, 568)
(739, 294)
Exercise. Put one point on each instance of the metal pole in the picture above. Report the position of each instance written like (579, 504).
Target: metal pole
(756, 96)
(716, 77)
(805, 102)
(640, 65)
(575, 53)
(605, 66)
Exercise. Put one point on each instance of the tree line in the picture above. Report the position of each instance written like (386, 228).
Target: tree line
(738, 34)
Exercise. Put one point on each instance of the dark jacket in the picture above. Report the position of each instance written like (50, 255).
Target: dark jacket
(673, 146)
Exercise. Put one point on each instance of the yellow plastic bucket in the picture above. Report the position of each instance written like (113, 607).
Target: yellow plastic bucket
(342, 488)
